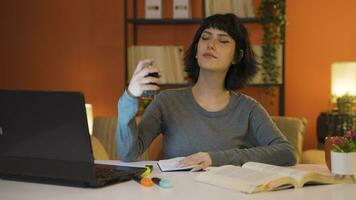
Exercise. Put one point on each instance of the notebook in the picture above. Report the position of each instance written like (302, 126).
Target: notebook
(172, 165)
(44, 137)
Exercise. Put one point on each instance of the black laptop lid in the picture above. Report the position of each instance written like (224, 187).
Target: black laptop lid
(45, 134)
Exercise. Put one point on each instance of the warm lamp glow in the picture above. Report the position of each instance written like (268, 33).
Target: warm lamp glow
(343, 79)
(90, 117)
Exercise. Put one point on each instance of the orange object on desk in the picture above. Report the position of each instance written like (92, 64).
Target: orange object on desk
(146, 182)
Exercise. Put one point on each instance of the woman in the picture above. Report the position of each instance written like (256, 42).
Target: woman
(207, 123)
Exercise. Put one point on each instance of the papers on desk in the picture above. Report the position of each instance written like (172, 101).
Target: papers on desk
(171, 165)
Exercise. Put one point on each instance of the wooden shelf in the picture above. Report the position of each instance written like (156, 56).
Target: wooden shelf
(142, 21)
(265, 85)
(164, 21)
(248, 85)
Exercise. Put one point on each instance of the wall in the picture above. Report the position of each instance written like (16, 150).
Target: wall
(64, 45)
(318, 34)
(79, 45)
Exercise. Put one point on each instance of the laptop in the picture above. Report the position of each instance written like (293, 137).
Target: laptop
(44, 137)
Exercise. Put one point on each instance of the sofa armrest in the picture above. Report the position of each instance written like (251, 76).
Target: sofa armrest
(293, 129)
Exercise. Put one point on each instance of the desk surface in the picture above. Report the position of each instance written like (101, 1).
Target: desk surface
(184, 187)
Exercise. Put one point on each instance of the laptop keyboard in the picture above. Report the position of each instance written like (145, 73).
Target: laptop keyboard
(106, 173)
(109, 173)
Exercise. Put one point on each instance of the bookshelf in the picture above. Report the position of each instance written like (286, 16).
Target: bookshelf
(134, 19)
(142, 21)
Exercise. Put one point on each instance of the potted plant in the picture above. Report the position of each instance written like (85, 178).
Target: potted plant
(273, 20)
(344, 104)
(343, 154)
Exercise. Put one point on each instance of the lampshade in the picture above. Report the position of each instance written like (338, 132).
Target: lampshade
(343, 79)
(90, 117)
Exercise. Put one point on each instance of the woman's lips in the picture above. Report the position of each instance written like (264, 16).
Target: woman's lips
(209, 55)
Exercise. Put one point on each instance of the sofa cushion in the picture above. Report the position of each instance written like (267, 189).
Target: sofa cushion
(104, 128)
(293, 129)
(98, 149)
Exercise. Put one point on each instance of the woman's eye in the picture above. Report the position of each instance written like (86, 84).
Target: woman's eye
(204, 37)
(224, 40)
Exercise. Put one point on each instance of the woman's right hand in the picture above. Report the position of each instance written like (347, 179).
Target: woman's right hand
(140, 81)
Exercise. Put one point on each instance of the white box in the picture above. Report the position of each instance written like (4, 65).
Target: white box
(181, 9)
(153, 9)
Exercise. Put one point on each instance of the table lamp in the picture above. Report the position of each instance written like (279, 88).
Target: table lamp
(90, 117)
(343, 86)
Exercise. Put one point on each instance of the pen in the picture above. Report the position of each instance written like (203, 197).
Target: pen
(163, 183)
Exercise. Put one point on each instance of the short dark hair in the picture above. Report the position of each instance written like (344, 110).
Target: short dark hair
(244, 69)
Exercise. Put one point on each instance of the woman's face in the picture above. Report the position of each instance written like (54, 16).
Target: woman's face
(216, 50)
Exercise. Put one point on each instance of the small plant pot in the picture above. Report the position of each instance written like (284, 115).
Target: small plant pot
(343, 163)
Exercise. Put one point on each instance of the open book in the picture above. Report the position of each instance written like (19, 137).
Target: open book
(171, 165)
(255, 177)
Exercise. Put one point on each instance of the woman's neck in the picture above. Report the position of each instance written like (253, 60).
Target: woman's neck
(210, 92)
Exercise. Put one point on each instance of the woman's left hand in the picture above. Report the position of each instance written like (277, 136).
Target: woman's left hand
(202, 160)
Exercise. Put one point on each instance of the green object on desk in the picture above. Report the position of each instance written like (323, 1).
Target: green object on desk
(148, 171)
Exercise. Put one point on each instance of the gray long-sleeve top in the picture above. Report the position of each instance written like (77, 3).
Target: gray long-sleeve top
(241, 132)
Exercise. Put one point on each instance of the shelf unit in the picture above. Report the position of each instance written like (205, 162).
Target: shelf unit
(135, 21)
(142, 21)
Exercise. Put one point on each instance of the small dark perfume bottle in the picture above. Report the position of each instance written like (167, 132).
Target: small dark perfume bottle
(149, 94)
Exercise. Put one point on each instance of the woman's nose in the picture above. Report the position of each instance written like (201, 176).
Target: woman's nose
(212, 44)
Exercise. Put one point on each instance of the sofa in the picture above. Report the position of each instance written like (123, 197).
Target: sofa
(104, 140)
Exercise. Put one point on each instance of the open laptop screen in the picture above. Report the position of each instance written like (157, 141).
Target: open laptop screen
(45, 134)
(47, 125)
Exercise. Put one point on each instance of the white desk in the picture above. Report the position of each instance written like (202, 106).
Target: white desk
(184, 187)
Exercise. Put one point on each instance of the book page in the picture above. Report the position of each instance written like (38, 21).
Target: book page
(243, 179)
(303, 174)
(283, 171)
(250, 176)
(317, 168)
(320, 174)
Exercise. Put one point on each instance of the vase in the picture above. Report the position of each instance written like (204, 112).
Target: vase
(343, 163)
